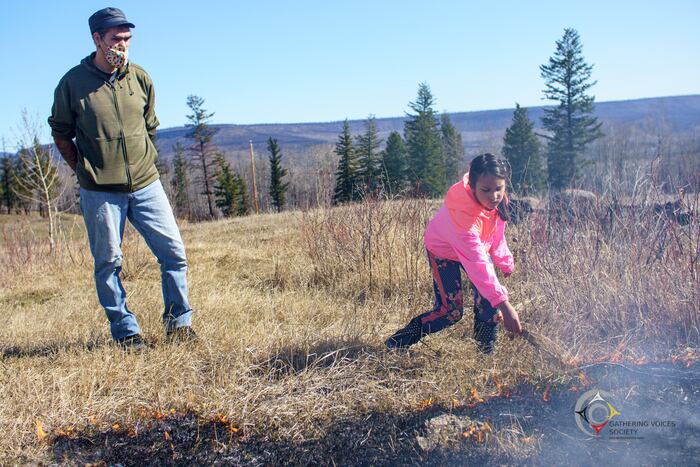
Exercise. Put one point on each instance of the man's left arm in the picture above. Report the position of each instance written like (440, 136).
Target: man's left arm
(149, 112)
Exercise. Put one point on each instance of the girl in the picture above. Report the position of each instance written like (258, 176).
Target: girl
(468, 232)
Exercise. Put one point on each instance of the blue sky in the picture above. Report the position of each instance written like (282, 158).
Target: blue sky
(283, 61)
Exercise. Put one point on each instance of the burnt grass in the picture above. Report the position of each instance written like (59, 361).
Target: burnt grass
(652, 392)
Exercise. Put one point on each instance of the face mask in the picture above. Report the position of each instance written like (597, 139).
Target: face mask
(116, 56)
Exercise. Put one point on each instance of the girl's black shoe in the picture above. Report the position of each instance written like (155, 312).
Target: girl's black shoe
(406, 336)
(485, 335)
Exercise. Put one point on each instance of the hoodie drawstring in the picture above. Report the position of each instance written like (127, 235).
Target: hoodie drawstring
(128, 83)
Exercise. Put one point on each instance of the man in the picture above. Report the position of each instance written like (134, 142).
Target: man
(104, 124)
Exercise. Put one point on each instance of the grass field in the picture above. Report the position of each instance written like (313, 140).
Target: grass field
(293, 309)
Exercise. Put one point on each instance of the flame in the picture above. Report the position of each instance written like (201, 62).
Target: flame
(40, 430)
(545, 396)
(67, 431)
(116, 426)
(477, 432)
(526, 439)
(474, 399)
(158, 415)
(425, 403)
(166, 436)
(583, 379)
(222, 419)
(132, 432)
(501, 389)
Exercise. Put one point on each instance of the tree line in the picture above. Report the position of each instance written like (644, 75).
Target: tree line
(422, 161)
(429, 155)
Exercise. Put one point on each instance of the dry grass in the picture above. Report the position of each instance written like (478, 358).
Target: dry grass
(293, 309)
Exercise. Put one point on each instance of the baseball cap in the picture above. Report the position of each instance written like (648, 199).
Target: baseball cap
(108, 18)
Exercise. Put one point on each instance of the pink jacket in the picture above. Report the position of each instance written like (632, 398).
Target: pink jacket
(465, 231)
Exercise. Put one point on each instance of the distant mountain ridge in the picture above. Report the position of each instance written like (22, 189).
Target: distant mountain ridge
(675, 114)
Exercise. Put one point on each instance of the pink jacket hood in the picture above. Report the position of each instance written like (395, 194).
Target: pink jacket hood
(467, 213)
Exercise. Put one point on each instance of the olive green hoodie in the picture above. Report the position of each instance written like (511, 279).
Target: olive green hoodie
(113, 123)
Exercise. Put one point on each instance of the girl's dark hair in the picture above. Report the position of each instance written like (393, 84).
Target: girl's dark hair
(489, 164)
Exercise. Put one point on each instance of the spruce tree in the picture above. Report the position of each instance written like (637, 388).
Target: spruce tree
(278, 188)
(22, 192)
(570, 123)
(225, 188)
(346, 178)
(241, 196)
(230, 190)
(202, 149)
(522, 151)
(426, 163)
(7, 180)
(452, 147)
(394, 164)
(368, 158)
(180, 182)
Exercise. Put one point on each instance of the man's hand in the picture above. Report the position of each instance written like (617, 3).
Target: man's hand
(68, 151)
(511, 320)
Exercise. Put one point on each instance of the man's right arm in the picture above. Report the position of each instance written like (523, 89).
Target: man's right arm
(62, 123)
(68, 150)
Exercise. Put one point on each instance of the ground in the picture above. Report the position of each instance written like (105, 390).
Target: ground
(293, 310)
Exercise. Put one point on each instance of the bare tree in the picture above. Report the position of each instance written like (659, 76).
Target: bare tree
(40, 183)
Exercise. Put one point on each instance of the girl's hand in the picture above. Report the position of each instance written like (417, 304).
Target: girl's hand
(511, 320)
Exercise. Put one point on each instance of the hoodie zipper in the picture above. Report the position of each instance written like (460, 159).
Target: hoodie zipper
(123, 138)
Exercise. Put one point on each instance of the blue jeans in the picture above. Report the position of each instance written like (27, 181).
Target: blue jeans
(148, 210)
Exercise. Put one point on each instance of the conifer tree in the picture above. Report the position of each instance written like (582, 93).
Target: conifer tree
(7, 180)
(570, 123)
(241, 196)
(202, 149)
(522, 151)
(278, 188)
(346, 179)
(394, 164)
(22, 192)
(368, 158)
(226, 188)
(426, 163)
(230, 190)
(453, 148)
(180, 182)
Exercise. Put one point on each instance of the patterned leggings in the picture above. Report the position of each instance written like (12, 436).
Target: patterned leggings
(449, 308)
